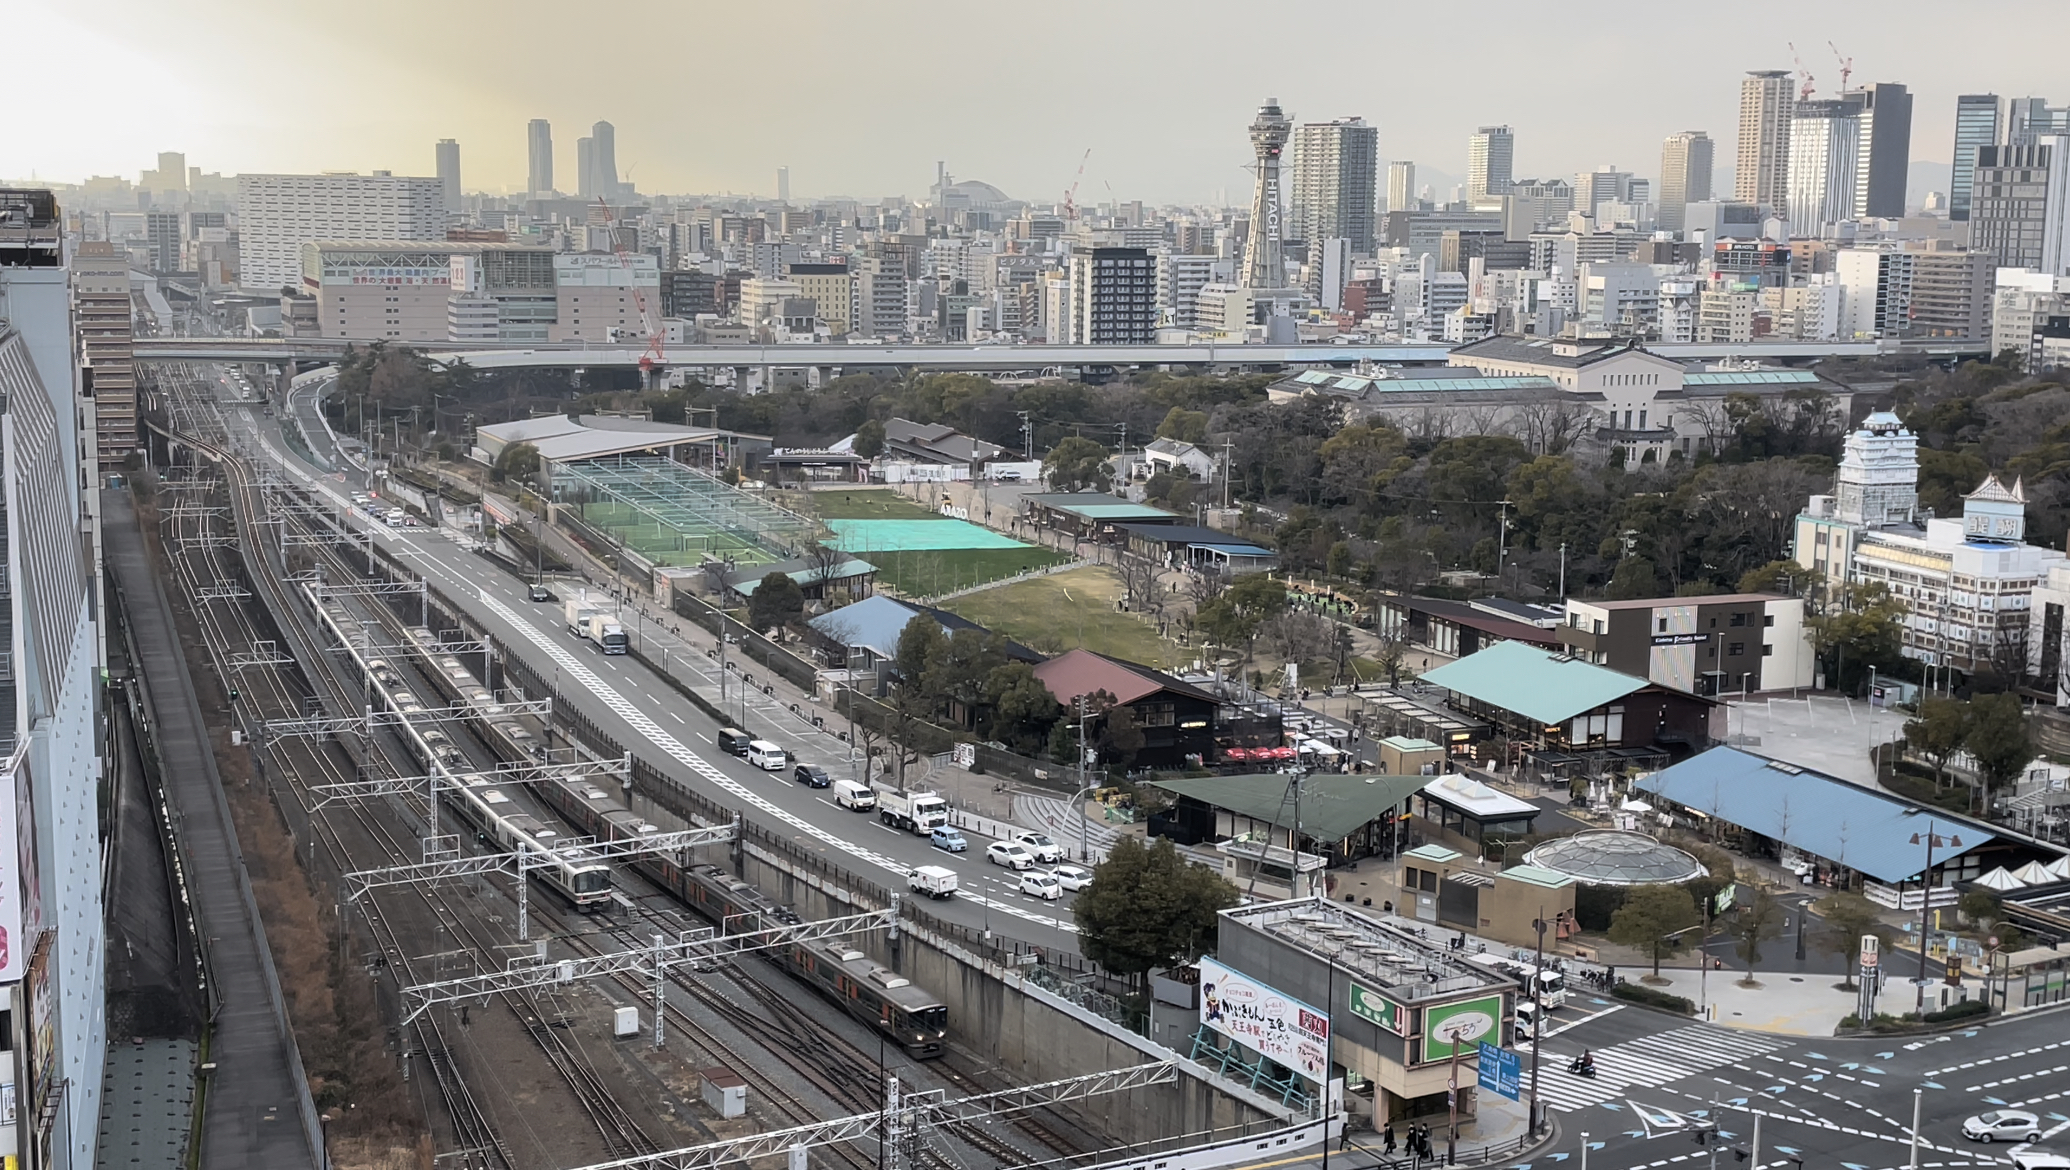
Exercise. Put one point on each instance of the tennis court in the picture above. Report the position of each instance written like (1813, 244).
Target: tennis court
(868, 536)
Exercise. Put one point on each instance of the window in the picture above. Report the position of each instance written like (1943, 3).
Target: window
(1767, 651)
(1660, 626)
(1768, 619)
(1739, 619)
(1736, 649)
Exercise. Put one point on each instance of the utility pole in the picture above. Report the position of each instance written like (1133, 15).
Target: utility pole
(1501, 543)
(1538, 1022)
(1563, 573)
(1228, 453)
(1027, 435)
(1083, 831)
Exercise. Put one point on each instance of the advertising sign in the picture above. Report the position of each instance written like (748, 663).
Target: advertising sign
(15, 879)
(1502, 1071)
(1277, 1026)
(1368, 1004)
(1461, 1024)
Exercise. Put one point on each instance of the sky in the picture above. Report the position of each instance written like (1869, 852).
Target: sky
(863, 99)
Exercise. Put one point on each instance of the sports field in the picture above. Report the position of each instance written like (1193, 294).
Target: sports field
(920, 553)
(868, 504)
(863, 537)
(1066, 610)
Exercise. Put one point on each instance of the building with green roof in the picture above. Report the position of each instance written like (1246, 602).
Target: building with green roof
(1543, 700)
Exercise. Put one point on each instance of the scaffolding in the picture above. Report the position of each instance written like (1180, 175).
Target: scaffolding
(671, 513)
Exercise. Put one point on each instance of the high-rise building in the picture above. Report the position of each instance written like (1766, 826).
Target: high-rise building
(1336, 173)
(1976, 127)
(586, 168)
(1824, 158)
(539, 156)
(448, 152)
(171, 174)
(1264, 263)
(1401, 186)
(52, 968)
(2020, 205)
(605, 136)
(101, 317)
(1490, 163)
(1603, 185)
(162, 237)
(1883, 161)
(1685, 175)
(2028, 120)
(1767, 98)
(277, 214)
(783, 184)
(1113, 297)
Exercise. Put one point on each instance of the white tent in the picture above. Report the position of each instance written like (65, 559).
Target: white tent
(2034, 874)
(2059, 869)
(2000, 879)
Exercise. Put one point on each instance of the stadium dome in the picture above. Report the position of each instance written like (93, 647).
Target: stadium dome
(1613, 857)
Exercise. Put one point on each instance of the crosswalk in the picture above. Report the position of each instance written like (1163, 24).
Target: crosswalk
(1055, 816)
(1647, 1062)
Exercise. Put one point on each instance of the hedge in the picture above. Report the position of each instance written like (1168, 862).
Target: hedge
(1640, 993)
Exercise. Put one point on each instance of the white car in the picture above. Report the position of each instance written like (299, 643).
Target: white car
(1008, 854)
(1039, 844)
(1040, 884)
(2003, 1125)
(1072, 877)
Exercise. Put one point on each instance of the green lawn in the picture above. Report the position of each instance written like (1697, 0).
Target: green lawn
(1067, 610)
(868, 504)
(929, 573)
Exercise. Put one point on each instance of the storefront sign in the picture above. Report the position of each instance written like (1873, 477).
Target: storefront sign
(1369, 1005)
(1275, 1025)
(1459, 1024)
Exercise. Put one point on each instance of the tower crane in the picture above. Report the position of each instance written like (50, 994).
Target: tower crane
(1071, 196)
(1804, 90)
(656, 334)
(1846, 65)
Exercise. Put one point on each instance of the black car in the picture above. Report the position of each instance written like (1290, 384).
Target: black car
(809, 775)
(541, 593)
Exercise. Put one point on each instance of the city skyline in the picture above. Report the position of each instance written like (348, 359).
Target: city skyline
(735, 138)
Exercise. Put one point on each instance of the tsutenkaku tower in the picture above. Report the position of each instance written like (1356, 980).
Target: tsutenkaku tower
(1264, 265)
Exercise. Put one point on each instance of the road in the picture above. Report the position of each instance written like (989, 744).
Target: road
(626, 700)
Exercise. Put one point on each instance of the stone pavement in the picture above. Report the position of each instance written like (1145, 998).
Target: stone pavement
(1780, 1003)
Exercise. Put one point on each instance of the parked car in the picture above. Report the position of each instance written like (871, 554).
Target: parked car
(1037, 883)
(811, 775)
(1072, 877)
(1040, 846)
(948, 838)
(1010, 855)
(2003, 1125)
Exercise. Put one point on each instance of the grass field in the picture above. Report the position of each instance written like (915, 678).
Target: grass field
(868, 504)
(927, 574)
(1067, 610)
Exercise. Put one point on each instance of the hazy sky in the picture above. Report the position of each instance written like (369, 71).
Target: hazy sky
(861, 99)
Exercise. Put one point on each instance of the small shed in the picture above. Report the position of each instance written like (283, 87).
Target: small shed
(1469, 810)
(1405, 755)
(725, 1092)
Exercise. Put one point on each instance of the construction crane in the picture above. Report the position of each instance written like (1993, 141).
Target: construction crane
(1071, 196)
(1804, 90)
(1846, 65)
(656, 334)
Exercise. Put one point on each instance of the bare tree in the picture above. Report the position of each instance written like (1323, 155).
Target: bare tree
(1138, 579)
(1719, 428)
(1205, 584)
(823, 564)
(1298, 636)
(1553, 426)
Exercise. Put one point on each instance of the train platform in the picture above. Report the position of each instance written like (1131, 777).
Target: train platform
(257, 1111)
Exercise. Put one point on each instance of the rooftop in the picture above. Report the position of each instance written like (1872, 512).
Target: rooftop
(875, 622)
(1544, 351)
(1333, 805)
(1375, 952)
(1097, 506)
(1082, 672)
(1611, 857)
(1537, 684)
(1712, 599)
(1470, 796)
(1861, 828)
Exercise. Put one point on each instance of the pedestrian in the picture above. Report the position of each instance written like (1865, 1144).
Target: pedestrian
(1387, 1140)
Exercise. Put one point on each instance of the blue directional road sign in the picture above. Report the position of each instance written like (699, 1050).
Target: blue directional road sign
(1501, 1071)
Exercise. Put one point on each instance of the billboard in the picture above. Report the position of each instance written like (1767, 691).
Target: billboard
(1256, 1016)
(18, 884)
(1368, 1004)
(1462, 1024)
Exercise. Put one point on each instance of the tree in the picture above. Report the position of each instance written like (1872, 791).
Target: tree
(1847, 917)
(1634, 578)
(1754, 923)
(1023, 710)
(1076, 464)
(519, 461)
(1999, 739)
(1232, 619)
(1781, 577)
(1148, 908)
(918, 644)
(1121, 733)
(1861, 627)
(1649, 919)
(1940, 731)
(777, 601)
(869, 439)
(823, 564)
(1185, 426)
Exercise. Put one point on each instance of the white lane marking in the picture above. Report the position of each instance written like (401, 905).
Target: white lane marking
(691, 760)
(679, 718)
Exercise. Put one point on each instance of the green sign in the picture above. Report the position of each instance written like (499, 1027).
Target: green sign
(1726, 897)
(1463, 1025)
(1368, 1005)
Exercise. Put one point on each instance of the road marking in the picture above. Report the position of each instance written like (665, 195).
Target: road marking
(681, 720)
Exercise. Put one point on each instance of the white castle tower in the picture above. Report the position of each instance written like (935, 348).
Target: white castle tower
(1879, 474)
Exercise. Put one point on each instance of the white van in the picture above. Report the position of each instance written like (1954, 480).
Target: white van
(767, 756)
(851, 795)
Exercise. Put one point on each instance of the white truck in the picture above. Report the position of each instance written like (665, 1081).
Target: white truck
(579, 611)
(605, 631)
(935, 881)
(915, 812)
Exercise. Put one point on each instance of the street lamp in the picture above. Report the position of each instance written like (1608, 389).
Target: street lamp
(1703, 960)
(1930, 839)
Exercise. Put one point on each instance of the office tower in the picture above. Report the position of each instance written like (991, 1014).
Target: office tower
(1824, 164)
(1976, 126)
(1685, 175)
(606, 138)
(783, 184)
(1603, 185)
(52, 970)
(101, 317)
(2028, 120)
(1264, 265)
(586, 168)
(172, 171)
(1762, 174)
(162, 236)
(448, 152)
(1884, 160)
(1490, 163)
(539, 156)
(1113, 297)
(1401, 186)
(277, 214)
(1335, 176)
(2020, 205)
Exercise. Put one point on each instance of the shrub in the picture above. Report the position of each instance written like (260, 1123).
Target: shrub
(1960, 1011)
(1640, 993)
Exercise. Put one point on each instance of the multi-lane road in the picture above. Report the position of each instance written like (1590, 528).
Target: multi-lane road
(625, 698)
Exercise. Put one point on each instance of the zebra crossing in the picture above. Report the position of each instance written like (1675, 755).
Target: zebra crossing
(1648, 1062)
(1055, 816)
